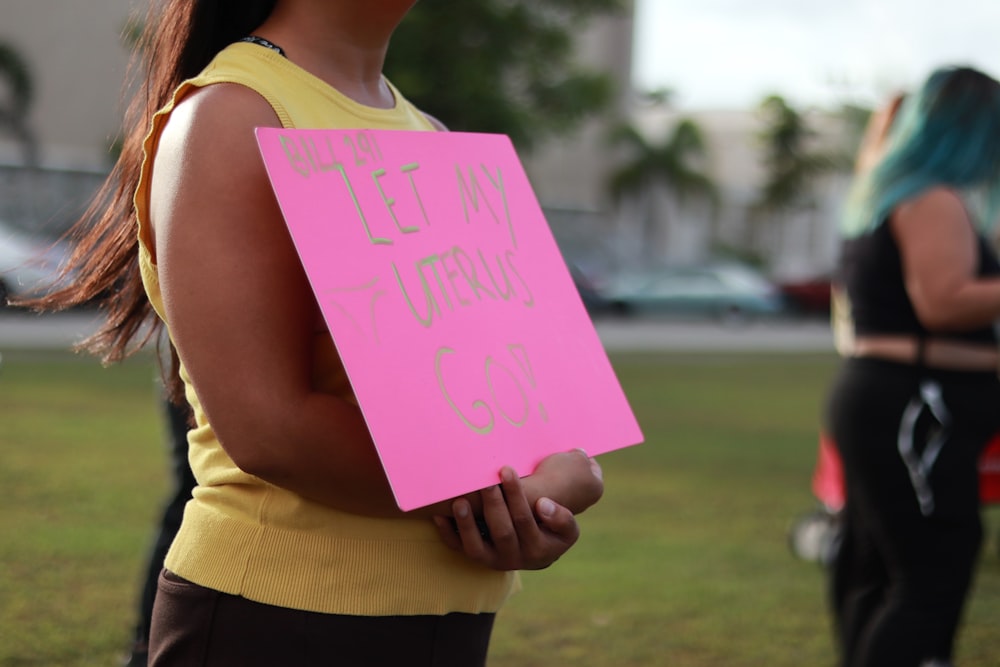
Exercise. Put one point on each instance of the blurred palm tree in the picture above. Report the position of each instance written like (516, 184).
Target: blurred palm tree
(15, 77)
(791, 165)
(674, 168)
(794, 165)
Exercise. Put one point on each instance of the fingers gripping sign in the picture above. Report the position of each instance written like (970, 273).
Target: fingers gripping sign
(518, 536)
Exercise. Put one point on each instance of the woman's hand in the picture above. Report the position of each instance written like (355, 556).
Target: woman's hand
(876, 132)
(572, 479)
(519, 536)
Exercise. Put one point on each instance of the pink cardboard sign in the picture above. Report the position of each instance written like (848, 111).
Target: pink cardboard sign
(454, 314)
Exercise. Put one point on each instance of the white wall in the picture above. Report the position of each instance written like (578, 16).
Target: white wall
(570, 171)
(795, 247)
(78, 63)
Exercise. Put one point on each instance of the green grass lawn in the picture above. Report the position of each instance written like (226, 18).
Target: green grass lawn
(684, 562)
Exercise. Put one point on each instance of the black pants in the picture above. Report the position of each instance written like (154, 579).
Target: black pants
(910, 440)
(194, 625)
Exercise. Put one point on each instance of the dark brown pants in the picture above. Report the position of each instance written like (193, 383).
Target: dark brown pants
(194, 626)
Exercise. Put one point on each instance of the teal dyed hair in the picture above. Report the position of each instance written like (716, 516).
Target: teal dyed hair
(946, 134)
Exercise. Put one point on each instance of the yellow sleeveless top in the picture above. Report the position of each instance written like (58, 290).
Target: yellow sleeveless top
(244, 536)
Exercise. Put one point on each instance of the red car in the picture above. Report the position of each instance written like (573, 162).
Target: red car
(809, 296)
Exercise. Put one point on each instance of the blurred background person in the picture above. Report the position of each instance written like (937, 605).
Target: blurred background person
(177, 419)
(816, 536)
(915, 400)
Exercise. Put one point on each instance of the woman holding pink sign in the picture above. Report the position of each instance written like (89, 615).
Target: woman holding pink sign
(292, 550)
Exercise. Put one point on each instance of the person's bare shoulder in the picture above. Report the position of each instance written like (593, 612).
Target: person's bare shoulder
(207, 152)
(210, 135)
(938, 205)
(220, 112)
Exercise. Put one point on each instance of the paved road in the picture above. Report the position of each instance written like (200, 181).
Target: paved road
(28, 331)
(665, 335)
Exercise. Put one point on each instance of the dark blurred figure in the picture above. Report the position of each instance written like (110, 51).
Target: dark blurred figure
(177, 423)
(914, 403)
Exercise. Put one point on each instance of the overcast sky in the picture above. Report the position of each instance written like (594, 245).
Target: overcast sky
(731, 53)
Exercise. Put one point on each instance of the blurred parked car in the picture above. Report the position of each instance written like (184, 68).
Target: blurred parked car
(593, 300)
(729, 292)
(28, 263)
(808, 296)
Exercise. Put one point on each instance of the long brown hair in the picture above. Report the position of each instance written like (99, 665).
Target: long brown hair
(179, 38)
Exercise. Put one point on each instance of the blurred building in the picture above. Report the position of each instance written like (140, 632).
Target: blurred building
(793, 244)
(78, 61)
(570, 173)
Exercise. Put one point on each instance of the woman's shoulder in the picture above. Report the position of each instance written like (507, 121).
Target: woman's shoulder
(209, 140)
(215, 121)
(935, 205)
(224, 105)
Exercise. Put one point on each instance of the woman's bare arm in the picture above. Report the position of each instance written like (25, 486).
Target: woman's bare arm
(940, 259)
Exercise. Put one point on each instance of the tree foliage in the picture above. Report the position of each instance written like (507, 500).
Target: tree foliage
(503, 66)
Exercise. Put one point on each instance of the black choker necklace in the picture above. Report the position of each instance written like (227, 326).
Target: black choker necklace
(260, 41)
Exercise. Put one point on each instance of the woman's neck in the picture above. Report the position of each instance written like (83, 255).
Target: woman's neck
(343, 43)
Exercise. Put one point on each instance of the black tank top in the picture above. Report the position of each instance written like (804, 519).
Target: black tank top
(871, 270)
